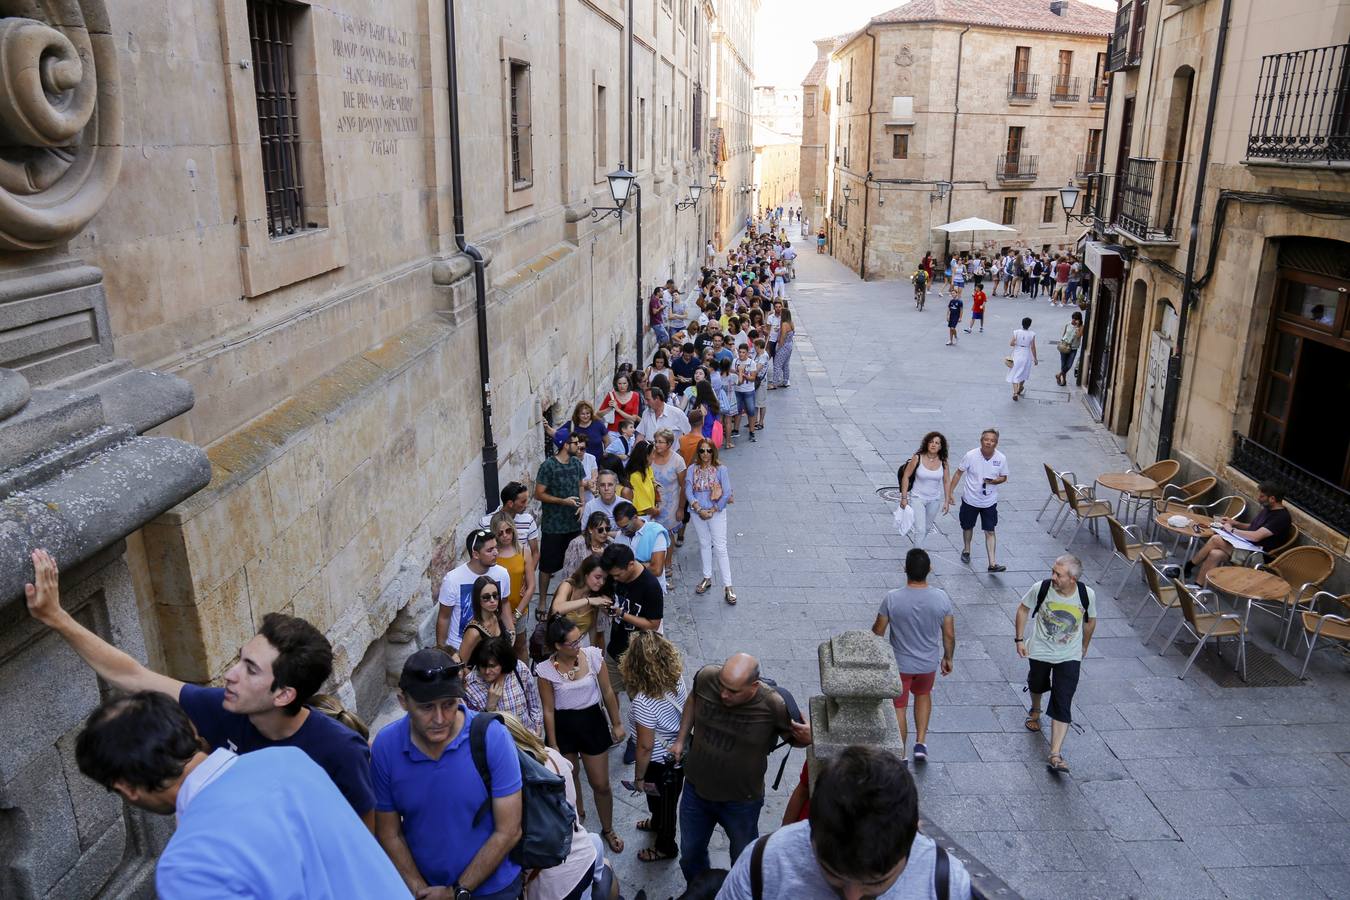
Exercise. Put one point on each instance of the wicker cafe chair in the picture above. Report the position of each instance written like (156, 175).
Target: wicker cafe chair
(1203, 625)
(1160, 591)
(1306, 567)
(1084, 506)
(1179, 498)
(1326, 626)
(1231, 507)
(1056, 480)
(1162, 472)
(1129, 548)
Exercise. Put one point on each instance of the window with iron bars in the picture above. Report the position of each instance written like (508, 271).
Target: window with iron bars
(271, 24)
(522, 161)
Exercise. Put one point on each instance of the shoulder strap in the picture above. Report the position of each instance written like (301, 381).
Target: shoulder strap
(757, 868)
(942, 874)
(478, 750)
(1083, 597)
(1040, 597)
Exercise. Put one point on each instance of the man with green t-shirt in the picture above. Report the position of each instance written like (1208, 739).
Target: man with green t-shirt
(1065, 614)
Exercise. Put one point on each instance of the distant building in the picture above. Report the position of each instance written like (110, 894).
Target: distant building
(1004, 103)
(779, 109)
(776, 164)
(732, 115)
(813, 172)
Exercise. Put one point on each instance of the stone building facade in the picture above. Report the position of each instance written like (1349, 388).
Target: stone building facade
(1004, 103)
(812, 169)
(777, 157)
(1218, 334)
(278, 238)
(733, 150)
(779, 109)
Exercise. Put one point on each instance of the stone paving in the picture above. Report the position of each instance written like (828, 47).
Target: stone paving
(1179, 788)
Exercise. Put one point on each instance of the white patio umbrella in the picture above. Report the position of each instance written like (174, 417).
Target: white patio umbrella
(970, 226)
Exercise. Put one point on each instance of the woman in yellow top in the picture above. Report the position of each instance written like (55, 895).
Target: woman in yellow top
(513, 555)
(582, 599)
(641, 480)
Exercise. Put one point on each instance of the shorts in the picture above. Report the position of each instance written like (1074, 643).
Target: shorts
(952, 323)
(920, 685)
(1060, 679)
(977, 316)
(1241, 557)
(745, 402)
(553, 549)
(615, 675)
(584, 731)
(988, 516)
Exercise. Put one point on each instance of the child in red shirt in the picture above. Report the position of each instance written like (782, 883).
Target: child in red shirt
(977, 308)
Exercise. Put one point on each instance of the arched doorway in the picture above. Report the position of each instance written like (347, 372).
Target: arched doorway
(1161, 340)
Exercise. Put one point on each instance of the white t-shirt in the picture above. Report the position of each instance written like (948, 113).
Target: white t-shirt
(597, 505)
(457, 593)
(527, 529)
(589, 466)
(974, 492)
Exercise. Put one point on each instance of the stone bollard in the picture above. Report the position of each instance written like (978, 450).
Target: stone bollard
(859, 679)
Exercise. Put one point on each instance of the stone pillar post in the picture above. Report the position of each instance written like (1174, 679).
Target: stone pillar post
(859, 679)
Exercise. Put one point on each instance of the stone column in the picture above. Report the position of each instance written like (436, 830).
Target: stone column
(76, 473)
(859, 679)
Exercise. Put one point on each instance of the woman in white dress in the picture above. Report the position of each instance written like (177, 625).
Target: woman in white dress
(1023, 357)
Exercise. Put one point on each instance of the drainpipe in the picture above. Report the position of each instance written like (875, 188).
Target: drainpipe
(871, 97)
(640, 303)
(491, 488)
(951, 164)
(1172, 392)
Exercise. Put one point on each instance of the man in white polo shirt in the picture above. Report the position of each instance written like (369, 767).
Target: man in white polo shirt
(981, 471)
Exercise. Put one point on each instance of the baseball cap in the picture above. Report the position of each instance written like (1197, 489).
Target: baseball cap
(431, 674)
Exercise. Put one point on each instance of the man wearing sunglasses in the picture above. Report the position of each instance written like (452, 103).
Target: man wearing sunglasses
(649, 541)
(456, 596)
(428, 791)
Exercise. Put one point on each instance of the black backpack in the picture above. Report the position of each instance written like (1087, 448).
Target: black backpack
(1045, 590)
(942, 874)
(546, 818)
(794, 713)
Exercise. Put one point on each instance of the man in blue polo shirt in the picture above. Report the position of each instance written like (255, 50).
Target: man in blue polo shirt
(427, 791)
(262, 703)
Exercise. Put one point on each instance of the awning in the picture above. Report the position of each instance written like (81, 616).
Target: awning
(1103, 260)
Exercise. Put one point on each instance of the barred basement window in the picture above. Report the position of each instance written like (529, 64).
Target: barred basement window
(522, 160)
(270, 26)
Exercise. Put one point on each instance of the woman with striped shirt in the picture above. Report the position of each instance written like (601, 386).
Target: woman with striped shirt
(651, 668)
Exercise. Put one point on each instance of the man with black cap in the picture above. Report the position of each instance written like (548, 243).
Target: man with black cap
(428, 791)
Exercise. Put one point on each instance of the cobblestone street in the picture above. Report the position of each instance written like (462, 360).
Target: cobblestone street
(1178, 788)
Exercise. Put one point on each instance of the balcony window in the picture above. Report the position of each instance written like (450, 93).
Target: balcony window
(1101, 77)
(1064, 89)
(1302, 108)
(1009, 211)
(1144, 213)
(1137, 26)
(1016, 167)
(1118, 47)
(1022, 86)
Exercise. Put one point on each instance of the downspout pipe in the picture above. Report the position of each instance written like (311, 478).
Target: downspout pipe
(871, 98)
(640, 303)
(491, 486)
(951, 164)
(1172, 391)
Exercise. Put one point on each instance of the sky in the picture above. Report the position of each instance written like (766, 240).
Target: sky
(784, 30)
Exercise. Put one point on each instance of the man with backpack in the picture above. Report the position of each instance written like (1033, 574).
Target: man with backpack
(1065, 614)
(429, 793)
(861, 839)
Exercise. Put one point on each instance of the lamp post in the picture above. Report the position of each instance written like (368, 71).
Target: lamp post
(1068, 199)
(695, 190)
(622, 184)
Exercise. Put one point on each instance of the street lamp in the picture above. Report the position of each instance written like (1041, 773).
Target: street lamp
(620, 185)
(695, 190)
(715, 181)
(1068, 199)
(942, 188)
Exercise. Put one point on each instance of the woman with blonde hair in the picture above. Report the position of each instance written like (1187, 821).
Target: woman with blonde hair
(651, 668)
(513, 555)
(571, 879)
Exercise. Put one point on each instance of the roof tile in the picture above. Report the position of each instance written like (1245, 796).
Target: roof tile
(1026, 15)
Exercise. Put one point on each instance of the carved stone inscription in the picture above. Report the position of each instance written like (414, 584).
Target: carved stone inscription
(380, 96)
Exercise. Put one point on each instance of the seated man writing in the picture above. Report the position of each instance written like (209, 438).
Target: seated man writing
(1268, 530)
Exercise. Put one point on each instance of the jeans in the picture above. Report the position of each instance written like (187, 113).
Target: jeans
(662, 335)
(1066, 361)
(925, 518)
(698, 817)
(510, 892)
(712, 540)
(745, 403)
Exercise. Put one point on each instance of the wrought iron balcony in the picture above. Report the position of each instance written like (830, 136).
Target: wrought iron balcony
(1083, 168)
(1022, 86)
(1097, 199)
(1120, 39)
(1148, 199)
(1016, 167)
(1098, 94)
(1319, 498)
(1064, 88)
(1302, 109)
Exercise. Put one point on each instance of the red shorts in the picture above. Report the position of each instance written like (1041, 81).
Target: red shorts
(918, 685)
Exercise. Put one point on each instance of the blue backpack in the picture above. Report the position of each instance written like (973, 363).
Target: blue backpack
(546, 818)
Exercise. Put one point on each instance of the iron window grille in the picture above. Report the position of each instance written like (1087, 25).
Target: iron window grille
(522, 163)
(1302, 108)
(1064, 88)
(1319, 498)
(1016, 166)
(271, 25)
(1022, 86)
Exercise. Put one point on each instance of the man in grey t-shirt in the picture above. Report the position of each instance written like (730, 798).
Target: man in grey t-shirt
(861, 840)
(923, 636)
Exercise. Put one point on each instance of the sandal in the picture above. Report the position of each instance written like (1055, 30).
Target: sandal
(644, 825)
(703, 586)
(651, 854)
(1057, 764)
(998, 568)
(730, 596)
(1033, 722)
(612, 840)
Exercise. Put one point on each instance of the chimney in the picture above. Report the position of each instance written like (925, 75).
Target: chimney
(1058, 6)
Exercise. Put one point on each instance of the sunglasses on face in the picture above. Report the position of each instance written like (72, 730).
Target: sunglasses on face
(601, 529)
(487, 596)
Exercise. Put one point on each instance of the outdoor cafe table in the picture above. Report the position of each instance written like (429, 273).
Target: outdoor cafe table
(1250, 584)
(1126, 483)
(1196, 527)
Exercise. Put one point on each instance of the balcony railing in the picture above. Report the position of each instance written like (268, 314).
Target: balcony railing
(1319, 498)
(1022, 86)
(1148, 199)
(1302, 109)
(1097, 199)
(1084, 167)
(1120, 39)
(1064, 88)
(1016, 167)
(1098, 94)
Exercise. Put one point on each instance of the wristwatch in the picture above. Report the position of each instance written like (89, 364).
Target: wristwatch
(461, 892)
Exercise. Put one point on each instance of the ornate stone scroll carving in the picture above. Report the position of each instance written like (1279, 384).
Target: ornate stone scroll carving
(60, 119)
